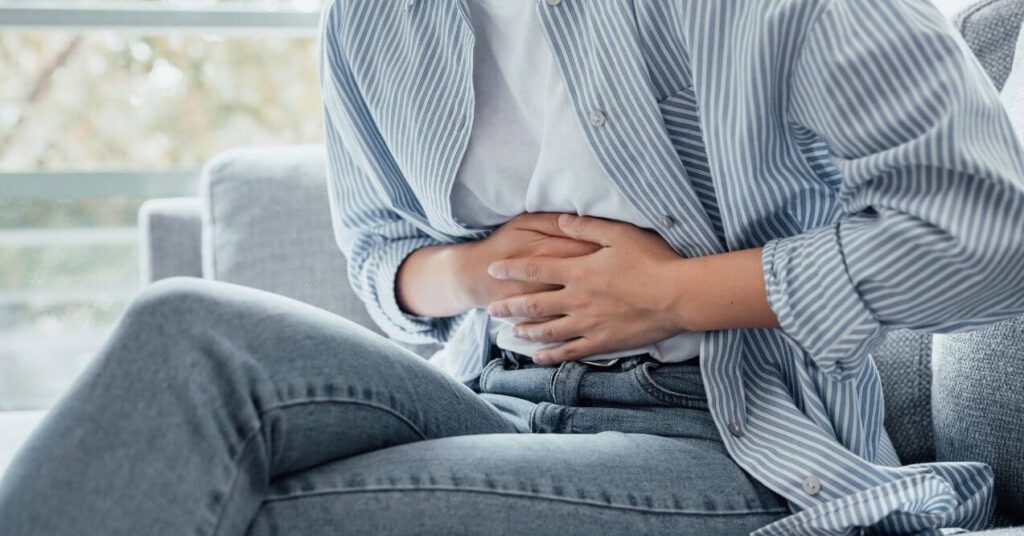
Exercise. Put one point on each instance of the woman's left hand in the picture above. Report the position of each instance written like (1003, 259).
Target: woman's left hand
(624, 295)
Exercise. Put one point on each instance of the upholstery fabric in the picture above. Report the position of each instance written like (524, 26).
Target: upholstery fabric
(990, 28)
(170, 233)
(267, 224)
(978, 401)
(904, 362)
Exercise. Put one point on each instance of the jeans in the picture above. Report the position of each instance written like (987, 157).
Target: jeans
(215, 409)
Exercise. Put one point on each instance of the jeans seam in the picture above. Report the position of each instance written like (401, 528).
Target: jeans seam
(395, 413)
(259, 427)
(234, 479)
(663, 394)
(536, 496)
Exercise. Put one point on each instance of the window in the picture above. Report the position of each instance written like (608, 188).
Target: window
(102, 106)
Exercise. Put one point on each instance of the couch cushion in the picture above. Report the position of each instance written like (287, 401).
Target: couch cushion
(267, 224)
(904, 366)
(978, 401)
(990, 28)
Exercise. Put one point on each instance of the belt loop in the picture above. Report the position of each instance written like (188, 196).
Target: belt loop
(509, 360)
(565, 384)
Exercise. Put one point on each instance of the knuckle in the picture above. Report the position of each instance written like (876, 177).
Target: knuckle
(533, 308)
(547, 334)
(531, 270)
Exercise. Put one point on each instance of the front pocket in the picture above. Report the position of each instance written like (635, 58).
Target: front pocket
(675, 384)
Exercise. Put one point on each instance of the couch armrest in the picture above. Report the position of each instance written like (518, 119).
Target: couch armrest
(170, 238)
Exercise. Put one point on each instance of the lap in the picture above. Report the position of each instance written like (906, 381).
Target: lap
(606, 483)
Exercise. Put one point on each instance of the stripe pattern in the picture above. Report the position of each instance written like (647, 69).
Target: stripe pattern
(857, 142)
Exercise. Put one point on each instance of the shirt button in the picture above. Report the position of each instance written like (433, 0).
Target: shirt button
(597, 118)
(812, 485)
(409, 4)
(554, 2)
(735, 429)
(667, 221)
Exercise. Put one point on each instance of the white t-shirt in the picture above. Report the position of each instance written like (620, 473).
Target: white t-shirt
(527, 151)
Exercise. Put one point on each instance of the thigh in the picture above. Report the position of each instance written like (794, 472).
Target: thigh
(531, 484)
(205, 393)
(315, 385)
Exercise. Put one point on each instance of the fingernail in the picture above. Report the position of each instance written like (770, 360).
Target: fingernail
(496, 271)
(565, 219)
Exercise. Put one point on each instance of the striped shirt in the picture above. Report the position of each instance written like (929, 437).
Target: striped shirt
(857, 141)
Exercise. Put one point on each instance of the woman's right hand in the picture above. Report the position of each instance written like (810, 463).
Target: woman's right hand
(526, 235)
(445, 280)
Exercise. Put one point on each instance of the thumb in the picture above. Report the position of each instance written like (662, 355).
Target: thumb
(589, 229)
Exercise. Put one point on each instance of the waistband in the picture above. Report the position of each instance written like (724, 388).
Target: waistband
(511, 359)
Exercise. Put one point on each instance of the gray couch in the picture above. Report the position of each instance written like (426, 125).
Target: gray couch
(261, 219)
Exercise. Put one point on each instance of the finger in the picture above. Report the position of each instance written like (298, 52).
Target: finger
(570, 351)
(542, 222)
(589, 229)
(533, 270)
(533, 306)
(520, 319)
(559, 330)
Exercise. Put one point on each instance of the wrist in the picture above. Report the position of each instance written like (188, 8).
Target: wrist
(466, 260)
(681, 300)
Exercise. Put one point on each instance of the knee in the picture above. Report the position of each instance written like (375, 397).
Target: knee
(174, 302)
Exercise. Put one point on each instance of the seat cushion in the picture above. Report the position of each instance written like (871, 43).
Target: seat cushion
(990, 28)
(978, 400)
(536, 484)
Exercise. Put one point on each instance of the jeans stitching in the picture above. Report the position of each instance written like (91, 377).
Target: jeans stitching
(395, 413)
(259, 427)
(651, 387)
(539, 496)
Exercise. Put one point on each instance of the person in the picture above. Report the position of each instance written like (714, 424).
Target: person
(671, 231)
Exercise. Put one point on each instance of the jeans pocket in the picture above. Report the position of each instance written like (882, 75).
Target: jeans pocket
(674, 384)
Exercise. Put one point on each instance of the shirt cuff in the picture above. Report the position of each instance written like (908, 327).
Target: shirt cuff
(816, 301)
(410, 328)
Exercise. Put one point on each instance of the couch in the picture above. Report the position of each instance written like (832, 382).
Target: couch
(261, 219)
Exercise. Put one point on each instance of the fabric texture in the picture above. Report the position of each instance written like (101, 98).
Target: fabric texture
(990, 27)
(217, 409)
(853, 181)
(170, 238)
(978, 400)
(904, 362)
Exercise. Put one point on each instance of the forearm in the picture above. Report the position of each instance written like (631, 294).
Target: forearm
(725, 291)
(432, 281)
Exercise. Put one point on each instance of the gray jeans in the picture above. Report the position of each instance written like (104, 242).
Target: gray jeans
(217, 409)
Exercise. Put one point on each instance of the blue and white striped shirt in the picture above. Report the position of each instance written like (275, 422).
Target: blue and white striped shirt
(857, 141)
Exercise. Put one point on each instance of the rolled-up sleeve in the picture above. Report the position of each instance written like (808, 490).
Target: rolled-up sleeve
(373, 236)
(932, 193)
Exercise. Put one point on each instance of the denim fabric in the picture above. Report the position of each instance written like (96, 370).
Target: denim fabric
(636, 395)
(218, 409)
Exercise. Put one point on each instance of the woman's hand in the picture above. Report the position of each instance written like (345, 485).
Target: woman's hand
(526, 236)
(617, 297)
(633, 291)
(447, 280)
